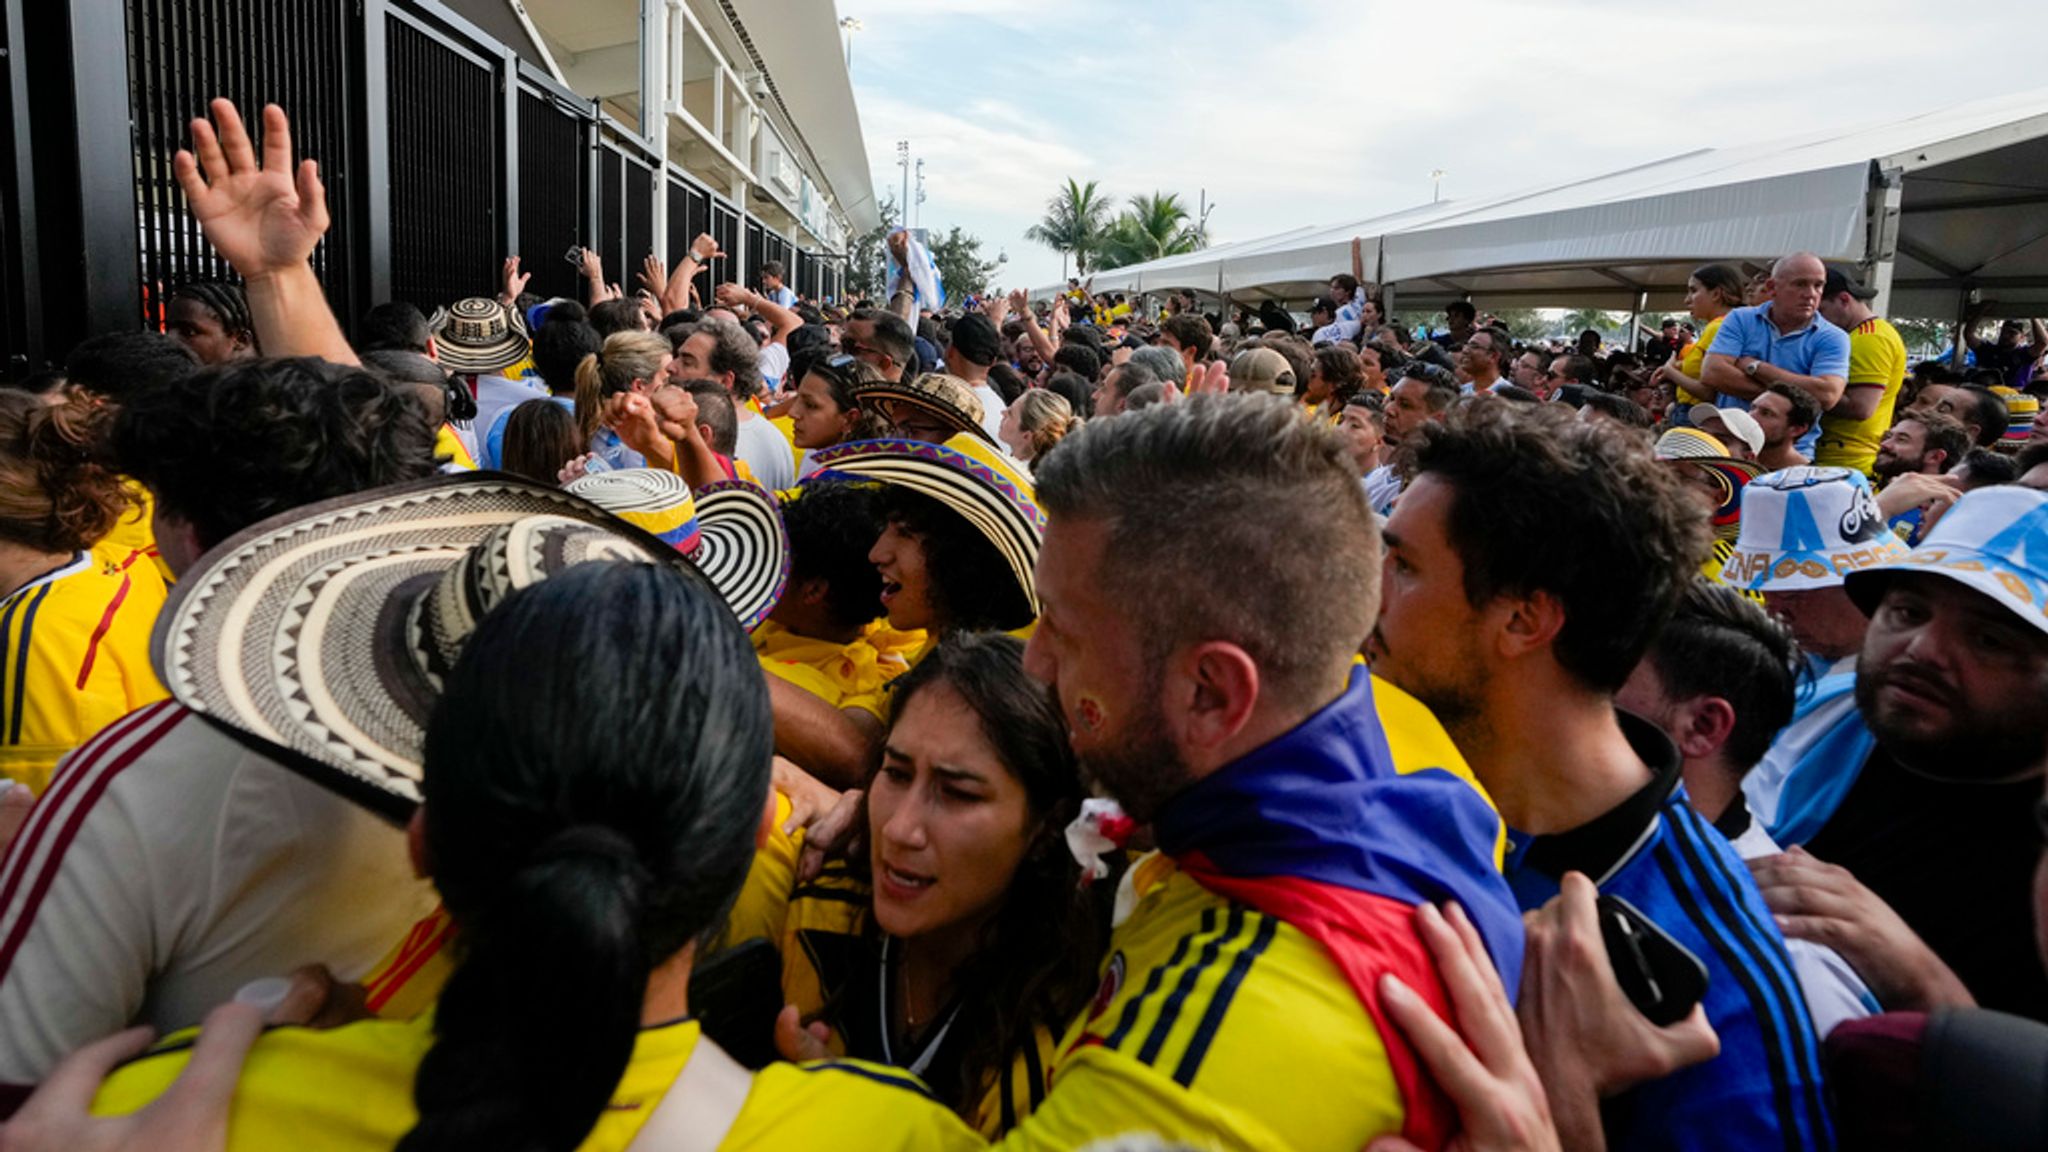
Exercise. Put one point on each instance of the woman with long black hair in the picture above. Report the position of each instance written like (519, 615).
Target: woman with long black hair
(587, 822)
(961, 942)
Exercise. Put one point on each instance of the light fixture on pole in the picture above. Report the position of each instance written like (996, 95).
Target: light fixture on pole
(920, 192)
(849, 26)
(903, 162)
(1436, 184)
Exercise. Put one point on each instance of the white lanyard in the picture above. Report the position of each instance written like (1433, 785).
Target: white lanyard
(931, 1047)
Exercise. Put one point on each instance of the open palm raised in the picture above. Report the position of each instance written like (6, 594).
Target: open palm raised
(262, 218)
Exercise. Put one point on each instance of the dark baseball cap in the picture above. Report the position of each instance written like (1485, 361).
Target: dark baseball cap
(1840, 281)
(976, 338)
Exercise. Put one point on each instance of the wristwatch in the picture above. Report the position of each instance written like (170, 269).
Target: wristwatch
(1750, 371)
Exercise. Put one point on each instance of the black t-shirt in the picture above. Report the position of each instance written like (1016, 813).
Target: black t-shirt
(1956, 862)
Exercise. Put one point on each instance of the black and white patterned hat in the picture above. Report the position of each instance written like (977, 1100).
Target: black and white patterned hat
(325, 634)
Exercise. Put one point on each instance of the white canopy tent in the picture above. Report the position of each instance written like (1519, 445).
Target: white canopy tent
(1933, 208)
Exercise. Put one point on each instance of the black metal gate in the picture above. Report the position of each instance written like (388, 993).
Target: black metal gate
(442, 153)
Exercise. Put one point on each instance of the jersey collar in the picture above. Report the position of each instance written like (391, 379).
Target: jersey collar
(1599, 847)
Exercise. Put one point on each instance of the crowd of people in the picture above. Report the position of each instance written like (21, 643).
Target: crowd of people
(644, 721)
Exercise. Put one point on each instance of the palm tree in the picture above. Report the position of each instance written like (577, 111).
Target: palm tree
(1074, 221)
(1580, 319)
(1153, 226)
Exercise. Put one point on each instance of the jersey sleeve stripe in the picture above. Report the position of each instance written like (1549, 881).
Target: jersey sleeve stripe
(1006, 1106)
(24, 889)
(63, 787)
(1768, 1024)
(1786, 1001)
(21, 651)
(1169, 1012)
(1219, 1002)
(907, 1083)
(8, 612)
(99, 632)
(1034, 1068)
(1157, 977)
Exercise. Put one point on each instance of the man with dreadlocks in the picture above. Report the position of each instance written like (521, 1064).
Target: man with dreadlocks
(211, 317)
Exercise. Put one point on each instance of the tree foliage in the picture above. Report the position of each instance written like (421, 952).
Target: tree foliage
(1075, 219)
(865, 263)
(1153, 226)
(958, 256)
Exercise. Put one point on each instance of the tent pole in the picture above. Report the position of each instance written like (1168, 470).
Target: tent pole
(1635, 320)
(1883, 248)
(1957, 344)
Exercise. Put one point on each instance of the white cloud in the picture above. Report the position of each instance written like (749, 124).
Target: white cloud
(1291, 113)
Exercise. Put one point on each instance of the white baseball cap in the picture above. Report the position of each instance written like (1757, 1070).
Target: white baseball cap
(1735, 420)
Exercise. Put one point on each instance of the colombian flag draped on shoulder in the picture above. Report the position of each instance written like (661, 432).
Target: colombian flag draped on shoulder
(1319, 830)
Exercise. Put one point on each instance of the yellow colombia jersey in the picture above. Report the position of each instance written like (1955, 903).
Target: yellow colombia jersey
(449, 449)
(1216, 1027)
(74, 657)
(1695, 358)
(135, 532)
(1877, 358)
(407, 980)
(351, 1088)
(851, 675)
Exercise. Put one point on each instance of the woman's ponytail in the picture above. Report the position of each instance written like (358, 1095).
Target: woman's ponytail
(564, 937)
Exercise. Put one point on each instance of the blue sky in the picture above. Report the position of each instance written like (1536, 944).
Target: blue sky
(1295, 113)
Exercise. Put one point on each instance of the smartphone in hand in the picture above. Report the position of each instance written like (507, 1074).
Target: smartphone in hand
(1660, 976)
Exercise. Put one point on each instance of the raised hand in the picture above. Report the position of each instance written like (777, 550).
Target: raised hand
(514, 281)
(1212, 378)
(675, 412)
(653, 274)
(730, 296)
(263, 218)
(632, 417)
(704, 248)
(593, 268)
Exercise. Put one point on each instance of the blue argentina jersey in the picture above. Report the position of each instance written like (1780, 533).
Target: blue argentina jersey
(1764, 1091)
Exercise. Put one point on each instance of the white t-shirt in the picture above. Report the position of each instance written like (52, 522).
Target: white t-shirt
(774, 365)
(1382, 485)
(992, 409)
(496, 395)
(168, 865)
(766, 452)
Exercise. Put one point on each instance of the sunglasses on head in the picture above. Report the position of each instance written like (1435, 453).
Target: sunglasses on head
(841, 368)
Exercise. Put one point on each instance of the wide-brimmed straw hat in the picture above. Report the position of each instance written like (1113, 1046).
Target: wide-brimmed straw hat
(478, 335)
(967, 475)
(947, 397)
(325, 634)
(1703, 451)
(732, 531)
